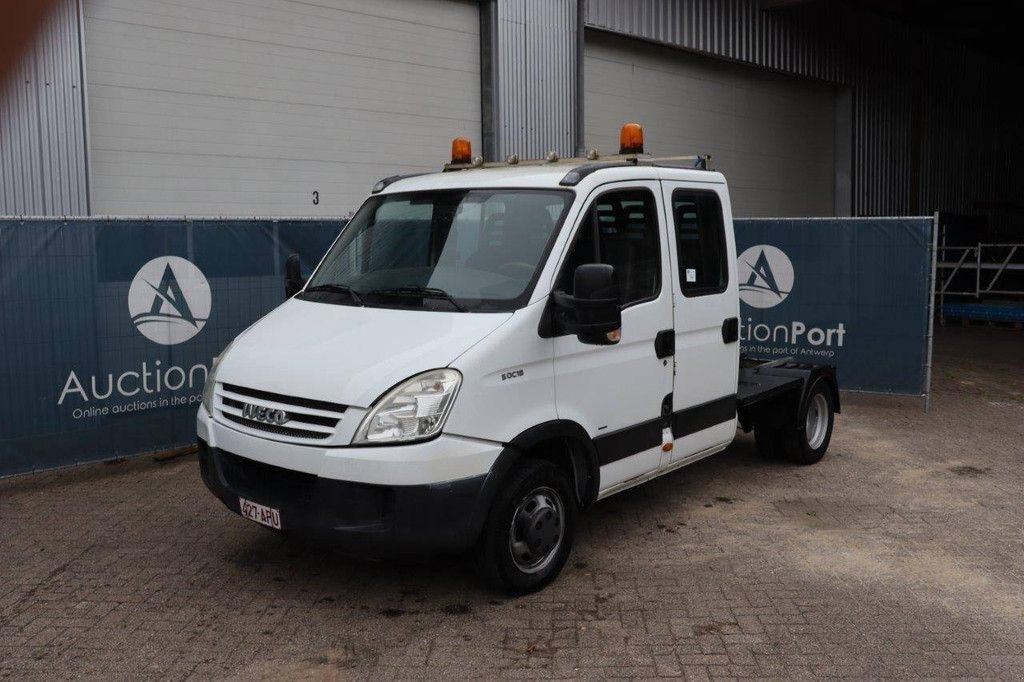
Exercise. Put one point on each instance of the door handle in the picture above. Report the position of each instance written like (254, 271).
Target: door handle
(665, 343)
(731, 330)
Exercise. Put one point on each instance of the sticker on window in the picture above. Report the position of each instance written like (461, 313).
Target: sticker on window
(691, 275)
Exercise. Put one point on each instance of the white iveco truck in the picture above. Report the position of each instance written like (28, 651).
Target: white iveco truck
(486, 351)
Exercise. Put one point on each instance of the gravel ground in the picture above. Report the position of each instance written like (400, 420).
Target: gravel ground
(899, 555)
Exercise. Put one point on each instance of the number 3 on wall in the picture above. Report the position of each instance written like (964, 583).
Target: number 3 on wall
(316, 197)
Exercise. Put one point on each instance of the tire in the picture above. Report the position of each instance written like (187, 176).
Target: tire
(770, 442)
(529, 531)
(808, 445)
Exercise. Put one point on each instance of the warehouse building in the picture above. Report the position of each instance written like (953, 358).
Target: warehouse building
(288, 107)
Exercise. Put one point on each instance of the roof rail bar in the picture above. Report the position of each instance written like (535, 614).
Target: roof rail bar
(576, 175)
(698, 161)
(383, 183)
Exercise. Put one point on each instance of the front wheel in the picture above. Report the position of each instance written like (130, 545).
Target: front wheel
(808, 444)
(529, 531)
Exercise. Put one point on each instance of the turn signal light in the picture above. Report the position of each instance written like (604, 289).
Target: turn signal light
(631, 139)
(462, 150)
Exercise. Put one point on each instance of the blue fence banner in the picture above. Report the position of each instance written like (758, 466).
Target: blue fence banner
(856, 293)
(108, 327)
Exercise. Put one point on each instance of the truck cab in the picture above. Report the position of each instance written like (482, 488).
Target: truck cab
(485, 352)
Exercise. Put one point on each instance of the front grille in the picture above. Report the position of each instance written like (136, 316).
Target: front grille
(307, 419)
(295, 416)
(279, 398)
(275, 429)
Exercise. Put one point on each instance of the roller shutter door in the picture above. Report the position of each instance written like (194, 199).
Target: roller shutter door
(772, 135)
(249, 107)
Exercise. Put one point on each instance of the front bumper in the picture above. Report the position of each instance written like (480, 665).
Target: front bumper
(359, 518)
(368, 501)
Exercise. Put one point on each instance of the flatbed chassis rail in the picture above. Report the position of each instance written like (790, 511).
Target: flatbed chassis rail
(772, 393)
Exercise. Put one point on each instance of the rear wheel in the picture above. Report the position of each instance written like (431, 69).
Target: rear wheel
(529, 531)
(808, 444)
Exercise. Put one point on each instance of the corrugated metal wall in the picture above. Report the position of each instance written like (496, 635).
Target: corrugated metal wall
(933, 125)
(42, 125)
(734, 29)
(536, 77)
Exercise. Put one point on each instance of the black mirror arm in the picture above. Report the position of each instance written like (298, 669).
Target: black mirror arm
(293, 280)
(566, 306)
(592, 312)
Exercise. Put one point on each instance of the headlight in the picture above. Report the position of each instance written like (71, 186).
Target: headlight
(415, 409)
(211, 381)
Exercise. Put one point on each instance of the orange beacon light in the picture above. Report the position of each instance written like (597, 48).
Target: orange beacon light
(462, 150)
(631, 139)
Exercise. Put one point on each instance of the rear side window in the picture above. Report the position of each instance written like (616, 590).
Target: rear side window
(620, 229)
(700, 242)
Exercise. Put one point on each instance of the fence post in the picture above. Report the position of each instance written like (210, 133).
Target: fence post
(977, 272)
(931, 313)
(942, 289)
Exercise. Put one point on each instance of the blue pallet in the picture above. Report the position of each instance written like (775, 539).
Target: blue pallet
(989, 312)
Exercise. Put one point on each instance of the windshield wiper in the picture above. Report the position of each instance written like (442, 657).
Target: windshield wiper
(422, 292)
(337, 289)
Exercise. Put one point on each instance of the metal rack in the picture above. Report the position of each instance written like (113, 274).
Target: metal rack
(989, 263)
(697, 161)
(974, 258)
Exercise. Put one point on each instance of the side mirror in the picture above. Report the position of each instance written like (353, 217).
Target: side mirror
(594, 312)
(293, 281)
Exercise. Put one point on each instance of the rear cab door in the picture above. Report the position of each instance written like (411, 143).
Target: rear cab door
(703, 279)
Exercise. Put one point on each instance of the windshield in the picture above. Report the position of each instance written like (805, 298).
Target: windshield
(453, 250)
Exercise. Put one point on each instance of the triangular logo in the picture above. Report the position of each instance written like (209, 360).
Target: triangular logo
(765, 275)
(762, 277)
(169, 301)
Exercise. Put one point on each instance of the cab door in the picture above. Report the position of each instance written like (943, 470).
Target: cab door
(703, 277)
(617, 392)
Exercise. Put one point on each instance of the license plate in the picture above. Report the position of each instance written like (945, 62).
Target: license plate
(260, 514)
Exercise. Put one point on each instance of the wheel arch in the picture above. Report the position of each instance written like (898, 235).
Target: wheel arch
(826, 375)
(563, 442)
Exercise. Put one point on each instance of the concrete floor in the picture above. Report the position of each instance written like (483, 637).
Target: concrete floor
(901, 554)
